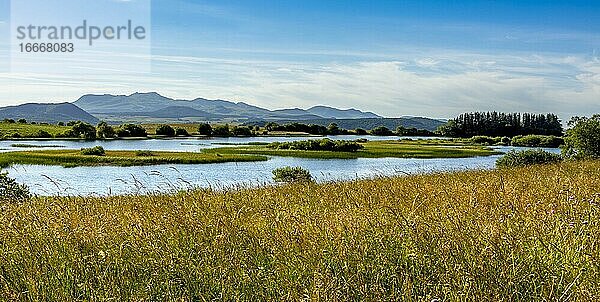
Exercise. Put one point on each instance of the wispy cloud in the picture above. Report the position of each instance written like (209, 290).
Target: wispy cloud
(435, 85)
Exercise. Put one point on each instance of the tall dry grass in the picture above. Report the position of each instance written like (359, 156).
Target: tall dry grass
(528, 234)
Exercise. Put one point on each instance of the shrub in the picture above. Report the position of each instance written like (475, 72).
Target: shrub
(382, 131)
(241, 131)
(11, 191)
(526, 158)
(484, 140)
(144, 153)
(204, 129)
(104, 130)
(84, 130)
(9, 121)
(97, 151)
(291, 174)
(165, 130)
(42, 134)
(547, 141)
(131, 130)
(221, 130)
(318, 145)
(181, 132)
(582, 140)
(360, 131)
(22, 121)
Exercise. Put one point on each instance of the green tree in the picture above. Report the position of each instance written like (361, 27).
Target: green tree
(382, 131)
(271, 126)
(181, 132)
(104, 130)
(22, 121)
(205, 129)
(582, 140)
(221, 130)
(241, 131)
(131, 130)
(84, 130)
(333, 129)
(165, 130)
(11, 191)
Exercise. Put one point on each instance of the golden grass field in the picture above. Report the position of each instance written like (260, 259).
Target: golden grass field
(527, 234)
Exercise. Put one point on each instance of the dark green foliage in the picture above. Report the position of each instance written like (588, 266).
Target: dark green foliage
(583, 138)
(83, 130)
(144, 153)
(241, 131)
(165, 130)
(382, 131)
(333, 129)
(546, 141)
(485, 140)
(205, 129)
(9, 121)
(526, 158)
(60, 123)
(360, 131)
(104, 130)
(22, 121)
(97, 151)
(131, 130)
(11, 191)
(221, 130)
(318, 145)
(291, 174)
(42, 134)
(181, 132)
(298, 127)
(501, 124)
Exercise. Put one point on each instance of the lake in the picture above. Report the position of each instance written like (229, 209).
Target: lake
(54, 180)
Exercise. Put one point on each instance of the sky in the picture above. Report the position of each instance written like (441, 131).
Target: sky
(395, 58)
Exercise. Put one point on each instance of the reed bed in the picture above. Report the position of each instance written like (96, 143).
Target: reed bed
(526, 234)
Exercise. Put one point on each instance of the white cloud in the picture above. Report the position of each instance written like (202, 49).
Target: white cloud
(440, 85)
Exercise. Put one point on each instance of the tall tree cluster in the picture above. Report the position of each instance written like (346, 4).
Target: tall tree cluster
(502, 124)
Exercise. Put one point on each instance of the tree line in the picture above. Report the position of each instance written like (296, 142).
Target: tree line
(501, 124)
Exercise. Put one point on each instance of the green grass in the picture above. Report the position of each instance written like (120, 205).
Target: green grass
(74, 158)
(373, 149)
(526, 234)
(7, 130)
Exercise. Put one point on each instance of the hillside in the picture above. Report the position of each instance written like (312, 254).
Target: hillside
(48, 113)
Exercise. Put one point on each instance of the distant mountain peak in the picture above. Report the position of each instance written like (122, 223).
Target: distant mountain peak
(47, 112)
(150, 102)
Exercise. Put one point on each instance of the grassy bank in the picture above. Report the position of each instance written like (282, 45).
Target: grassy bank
(373, 149)
(10, 130)
(529, 234)
(74, 158)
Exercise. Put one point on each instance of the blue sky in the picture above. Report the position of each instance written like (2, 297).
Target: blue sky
(425, 58)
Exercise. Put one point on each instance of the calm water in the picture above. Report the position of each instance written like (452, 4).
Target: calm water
(52, 180)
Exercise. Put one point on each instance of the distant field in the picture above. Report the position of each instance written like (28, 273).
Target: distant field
(529, 234)
(373, 149)
(7, 130)
(74, 158)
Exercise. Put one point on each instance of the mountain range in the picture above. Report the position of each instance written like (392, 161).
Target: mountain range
(48, 113)
(154, 108)
(153, 105)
